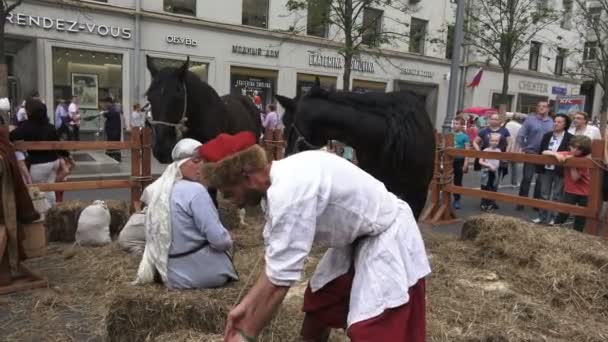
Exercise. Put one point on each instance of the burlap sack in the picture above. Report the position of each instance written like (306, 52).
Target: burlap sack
(94, 225)
(132, 237)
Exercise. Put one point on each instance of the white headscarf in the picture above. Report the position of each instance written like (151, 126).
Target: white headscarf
(158, 215)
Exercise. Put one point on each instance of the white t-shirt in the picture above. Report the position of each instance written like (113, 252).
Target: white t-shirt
(317, 198)
(74, 111)
(513, 127)
(21, 114)
(137, 119)
(591, 131)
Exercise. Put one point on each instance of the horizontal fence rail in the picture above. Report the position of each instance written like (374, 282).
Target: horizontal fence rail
(439, 210)
(141, 163)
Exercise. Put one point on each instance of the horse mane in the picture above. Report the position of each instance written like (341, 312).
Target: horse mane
(405, 115)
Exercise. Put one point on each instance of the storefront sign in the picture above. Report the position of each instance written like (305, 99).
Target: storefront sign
(253, 83)
(417, 72)
(325, 61)
(537, 87)
(559, 90)
(338, 63)
(569, 104)
(243, 50)
(64, 25)
(181, 41)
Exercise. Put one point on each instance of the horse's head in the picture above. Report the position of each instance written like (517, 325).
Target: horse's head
(168, 99)
(298, 120)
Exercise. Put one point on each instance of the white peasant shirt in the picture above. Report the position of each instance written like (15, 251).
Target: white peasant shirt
(320, 199)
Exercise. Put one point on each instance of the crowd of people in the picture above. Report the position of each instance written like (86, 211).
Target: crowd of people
(559, 135)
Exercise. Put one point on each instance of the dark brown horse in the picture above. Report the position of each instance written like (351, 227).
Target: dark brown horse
(391, 133)
(183, 106)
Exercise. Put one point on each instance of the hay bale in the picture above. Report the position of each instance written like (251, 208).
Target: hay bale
(188, 336)
(62, 220)
(509, 280)
(139, 315)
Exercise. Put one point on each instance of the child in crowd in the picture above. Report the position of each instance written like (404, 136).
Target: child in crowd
(461, 164)
(489, 172)
(576, 180)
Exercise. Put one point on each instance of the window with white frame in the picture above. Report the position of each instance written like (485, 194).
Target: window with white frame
(590, 51)
(186, 7)
(255, 13)
(372, 26)
(317, 21)
(417, 35)
(560, 60)
(535, 50)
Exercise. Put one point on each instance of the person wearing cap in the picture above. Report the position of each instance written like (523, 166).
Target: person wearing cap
(186, 244)
(370, 280)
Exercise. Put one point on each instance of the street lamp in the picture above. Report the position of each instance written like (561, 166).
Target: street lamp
(455, 66)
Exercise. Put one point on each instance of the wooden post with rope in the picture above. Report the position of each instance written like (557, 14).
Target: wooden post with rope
(595, 186)
(136, 168)
(433, 206)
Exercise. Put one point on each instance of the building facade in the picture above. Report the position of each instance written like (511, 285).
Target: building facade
(96, 49)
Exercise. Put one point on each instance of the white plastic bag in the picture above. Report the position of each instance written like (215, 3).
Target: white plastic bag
(94, 225)
(132, 238)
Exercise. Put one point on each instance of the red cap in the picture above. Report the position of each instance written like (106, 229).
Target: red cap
(225, 145)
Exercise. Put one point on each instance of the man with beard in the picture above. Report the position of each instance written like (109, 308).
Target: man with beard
(371, 279)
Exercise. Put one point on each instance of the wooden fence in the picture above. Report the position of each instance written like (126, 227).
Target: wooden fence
(439, 209)
(141, 163)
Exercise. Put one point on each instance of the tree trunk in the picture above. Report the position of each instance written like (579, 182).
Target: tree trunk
(349, 22)
(504, 94)
(604, 110)
(348, 61)
(3, 66)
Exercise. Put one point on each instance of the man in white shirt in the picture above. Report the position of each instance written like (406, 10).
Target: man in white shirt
(371, 279)
(74, 112)
(582, 127)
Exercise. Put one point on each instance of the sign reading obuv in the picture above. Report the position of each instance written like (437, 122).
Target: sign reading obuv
(570, 104)
(65, 25)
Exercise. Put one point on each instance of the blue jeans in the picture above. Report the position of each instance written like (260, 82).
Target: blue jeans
(489, 182)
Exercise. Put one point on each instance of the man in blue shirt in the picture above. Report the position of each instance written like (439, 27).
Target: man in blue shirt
(529, 139)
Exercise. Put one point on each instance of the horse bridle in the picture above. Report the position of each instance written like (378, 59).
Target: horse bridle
(301, 139)
(180, 126)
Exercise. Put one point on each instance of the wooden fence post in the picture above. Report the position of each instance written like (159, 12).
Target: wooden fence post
(433, 204)
(445, 214)
(136, 168)
(146, 158)
(595, 193)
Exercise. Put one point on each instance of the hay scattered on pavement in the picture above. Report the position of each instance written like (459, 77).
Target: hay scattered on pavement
(508, 281)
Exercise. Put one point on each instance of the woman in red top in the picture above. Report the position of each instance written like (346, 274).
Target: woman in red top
(576, 180)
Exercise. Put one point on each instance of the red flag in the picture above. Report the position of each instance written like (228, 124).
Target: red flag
(476, 79)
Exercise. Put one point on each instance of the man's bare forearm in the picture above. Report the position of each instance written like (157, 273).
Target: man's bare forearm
(261, 303)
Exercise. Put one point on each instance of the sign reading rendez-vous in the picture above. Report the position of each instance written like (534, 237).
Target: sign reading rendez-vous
(64, 25)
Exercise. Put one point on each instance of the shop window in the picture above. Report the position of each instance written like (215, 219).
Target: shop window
(186, 7)
(559, 61)
(317, 21)
(417, 35)
(306, 81)
(199, 69)
(255, 13)
(10, 62)
(363, 86)
(372, 26)
(496, 101)
(527, 103)
(535, 49)
(257, 84)
(90, 75)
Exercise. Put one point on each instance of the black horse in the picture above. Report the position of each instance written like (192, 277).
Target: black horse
(391, 133)
(183, 106)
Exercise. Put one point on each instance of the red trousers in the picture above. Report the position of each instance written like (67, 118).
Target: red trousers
(405, 323)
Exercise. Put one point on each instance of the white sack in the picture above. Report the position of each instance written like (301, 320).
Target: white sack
(132, 238)
(94, 225)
